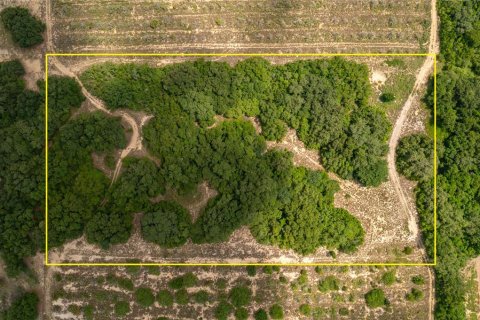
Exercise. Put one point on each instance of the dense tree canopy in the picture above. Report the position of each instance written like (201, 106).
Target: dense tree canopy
(21, 163)
(458, 141)
(24, 307)
(167, 224)
(415, 157)
(324, 100)
(26, 30)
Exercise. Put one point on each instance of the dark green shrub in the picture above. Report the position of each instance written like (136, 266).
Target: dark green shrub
(201, 297)
(223, 310)
(165, 298)
(88, 312)
(251, 271)
(276, 311)
(407, 250)
(125, 283)
(329, 283)
(181, 297)
(375, 298)
(414, 295)
(26, 30)
(122, 308)
(189, 280)
(387, 97)
(241, 314)
(144, 297)
(389, 278)
(240, 296)
(261, 314)
(418, 280)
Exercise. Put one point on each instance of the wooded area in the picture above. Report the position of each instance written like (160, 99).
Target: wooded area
(458, 149)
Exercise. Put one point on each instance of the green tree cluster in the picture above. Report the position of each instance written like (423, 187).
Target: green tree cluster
(167, 224)
(26, 30)
(23, 307)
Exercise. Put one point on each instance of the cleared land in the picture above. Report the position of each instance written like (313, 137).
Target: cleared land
(330, 292)
(241, 26)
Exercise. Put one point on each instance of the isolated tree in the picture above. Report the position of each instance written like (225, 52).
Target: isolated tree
(26, 30)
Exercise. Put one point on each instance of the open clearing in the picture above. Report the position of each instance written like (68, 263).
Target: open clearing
(241, 26)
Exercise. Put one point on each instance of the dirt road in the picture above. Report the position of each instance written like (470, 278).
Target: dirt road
(420, 82)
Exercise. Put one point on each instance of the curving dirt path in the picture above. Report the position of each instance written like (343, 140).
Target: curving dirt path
(420, 82)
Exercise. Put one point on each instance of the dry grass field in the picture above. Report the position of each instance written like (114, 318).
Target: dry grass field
(240, 26)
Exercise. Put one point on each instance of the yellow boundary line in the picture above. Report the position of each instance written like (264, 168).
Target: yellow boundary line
(113, 264)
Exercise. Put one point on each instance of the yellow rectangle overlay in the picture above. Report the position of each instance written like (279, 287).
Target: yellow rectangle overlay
(313, 55)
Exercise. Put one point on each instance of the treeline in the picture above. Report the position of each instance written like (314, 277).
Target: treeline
(325, 100)
(458, 149)
(21, 168)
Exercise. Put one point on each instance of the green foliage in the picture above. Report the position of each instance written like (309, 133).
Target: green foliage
(414, 295)
(276, 311)
(387, 97)
(125, 283)
(122, 308)
(415, 157)
(182, 297)
(389, 278)
(167, 224)
(186, 281)
(76, 188)
(255, 185)
(24, 307)
(223, 310)
(261, 314)
(309, 206)
(396, 62)
(375, 298)
(201, 297)
(408, 250)
(329, 283)
(241, 314)
(165, 298)
(251, 271)
(144, 297)
(305, 309)
(459, 35)
(26, 30)
(240, 296)
(418, 280)
(21, 156)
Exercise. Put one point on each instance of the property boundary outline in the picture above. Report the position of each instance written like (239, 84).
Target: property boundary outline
(117, 264)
